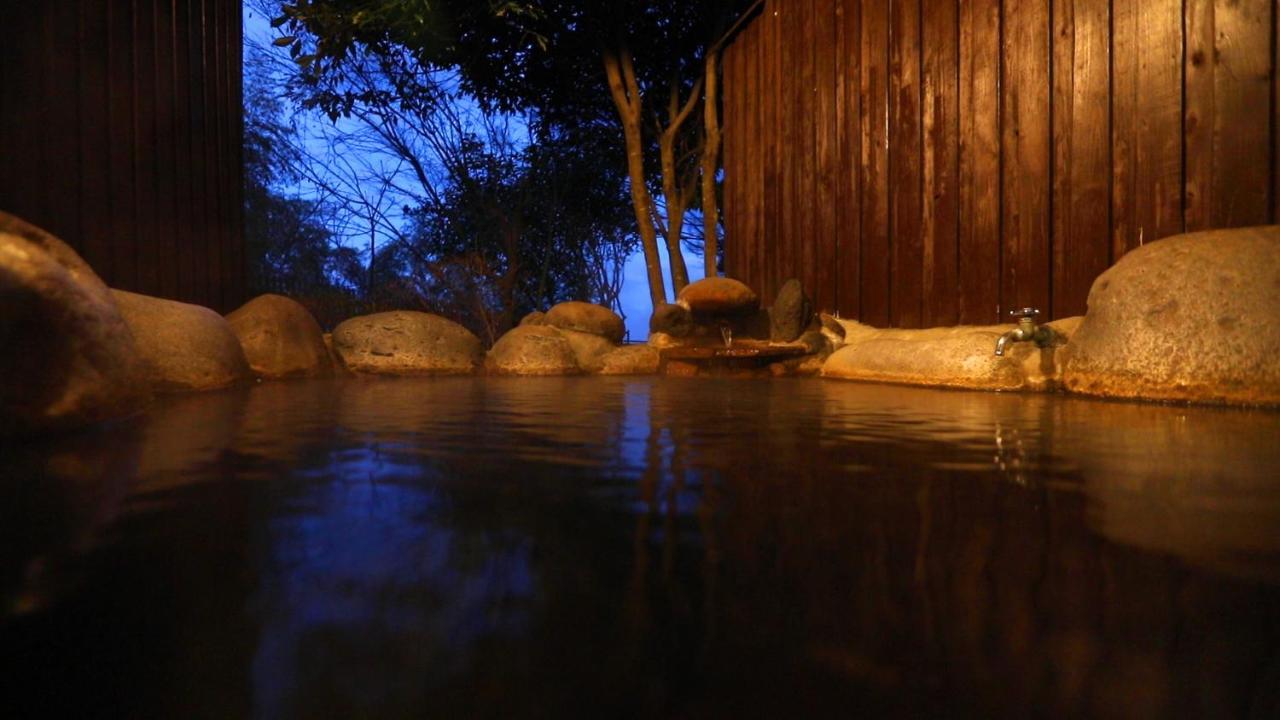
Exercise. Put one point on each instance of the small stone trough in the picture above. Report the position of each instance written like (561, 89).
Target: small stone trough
(744, 358)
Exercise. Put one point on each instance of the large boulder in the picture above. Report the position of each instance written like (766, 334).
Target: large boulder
(532, 350)
(280, 338)
(791, 312)
(631, 360)
(404, 342)
(1190, 317)
(67, 358)
(672, 319)
(586, 318)
(959, 357)
(183, 347)
(588, 349)
(718, 296)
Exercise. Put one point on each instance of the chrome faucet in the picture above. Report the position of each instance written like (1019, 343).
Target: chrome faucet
(1027, 330)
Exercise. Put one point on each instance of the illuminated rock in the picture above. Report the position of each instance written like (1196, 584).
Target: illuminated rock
(631, 360)
(403, 342)
(66, 355)
(790, 313)
(961, 357)
(183, 346)
(589, 350)
(1191, 317)
(586, 318)
(280, 338)
(532, 350)
(718, 296)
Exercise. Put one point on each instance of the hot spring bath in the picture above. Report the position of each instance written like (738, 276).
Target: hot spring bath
(609, 547)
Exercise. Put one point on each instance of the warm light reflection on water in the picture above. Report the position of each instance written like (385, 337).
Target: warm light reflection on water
(682, 547)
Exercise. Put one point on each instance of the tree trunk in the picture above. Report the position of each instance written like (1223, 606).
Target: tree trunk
(675, 209)
(626, 97)
(672, 189)
(710, 164)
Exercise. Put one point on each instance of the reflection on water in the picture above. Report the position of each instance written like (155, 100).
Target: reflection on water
(689, 548)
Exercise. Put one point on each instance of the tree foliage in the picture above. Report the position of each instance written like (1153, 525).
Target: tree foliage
(633, 65)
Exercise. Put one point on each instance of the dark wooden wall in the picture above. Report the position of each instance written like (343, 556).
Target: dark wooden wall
(121, 132)
(932, 162)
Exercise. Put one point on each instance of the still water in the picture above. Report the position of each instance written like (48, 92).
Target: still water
(563, 547)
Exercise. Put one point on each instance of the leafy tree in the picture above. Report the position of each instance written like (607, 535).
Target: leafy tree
(645, 68)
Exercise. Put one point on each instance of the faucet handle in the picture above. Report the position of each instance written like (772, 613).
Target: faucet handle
(1026, 312)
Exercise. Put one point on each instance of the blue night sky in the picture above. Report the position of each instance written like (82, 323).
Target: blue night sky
(635, 291)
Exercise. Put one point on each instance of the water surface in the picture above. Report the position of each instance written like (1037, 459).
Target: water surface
(483, 547)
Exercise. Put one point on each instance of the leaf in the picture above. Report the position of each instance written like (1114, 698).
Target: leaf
(277, 22)
(282, 41)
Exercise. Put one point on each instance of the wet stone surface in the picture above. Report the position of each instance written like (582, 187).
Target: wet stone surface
(643, 547)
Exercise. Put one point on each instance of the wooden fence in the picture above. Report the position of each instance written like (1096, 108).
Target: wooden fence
(931, 162)
(121, 132)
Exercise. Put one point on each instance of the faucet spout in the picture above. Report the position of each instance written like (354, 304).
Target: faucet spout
(1005, 339)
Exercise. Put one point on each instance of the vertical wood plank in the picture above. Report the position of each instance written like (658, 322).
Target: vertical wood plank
(789, 27)
(61, 124)
(825, 148)
(210, 95)
(874, 61)
(185, 228)
(144, 158)
(1146, 122)
(803, 237)
(905, 171)
(1228, 71)
(980, 213)
(734, 240)
(754, 153)
(237, 126)
(729, 94)
(941, 106)
(848, 109)
(779, 77)
(122, 150)
(95, 211)
(1025, 142)
(165, 137)
(1082, 150)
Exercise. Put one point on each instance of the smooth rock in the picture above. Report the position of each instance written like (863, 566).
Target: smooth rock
(961, 357)
(406, 342)
(532, 350)
(67, 357)
(183, 346)
(280, 338)
(790, 313)
(1191, 318)
(631, 360)
(335, 361)
(671, 319)
(588, 349)
(718, 296)
(587, 318)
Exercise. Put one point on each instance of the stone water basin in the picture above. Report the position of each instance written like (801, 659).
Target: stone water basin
(749, 357)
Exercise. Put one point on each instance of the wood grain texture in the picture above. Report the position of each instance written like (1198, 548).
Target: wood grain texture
(848, 123)
(998, 153)
(806, 159)
(905, 172)
(1147, 145)
(1082, 150)
(826, 148)
(1225, 121)
(941, 148)
(101, 138)
(1025, 146)
(979, 246)
(874, 181)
